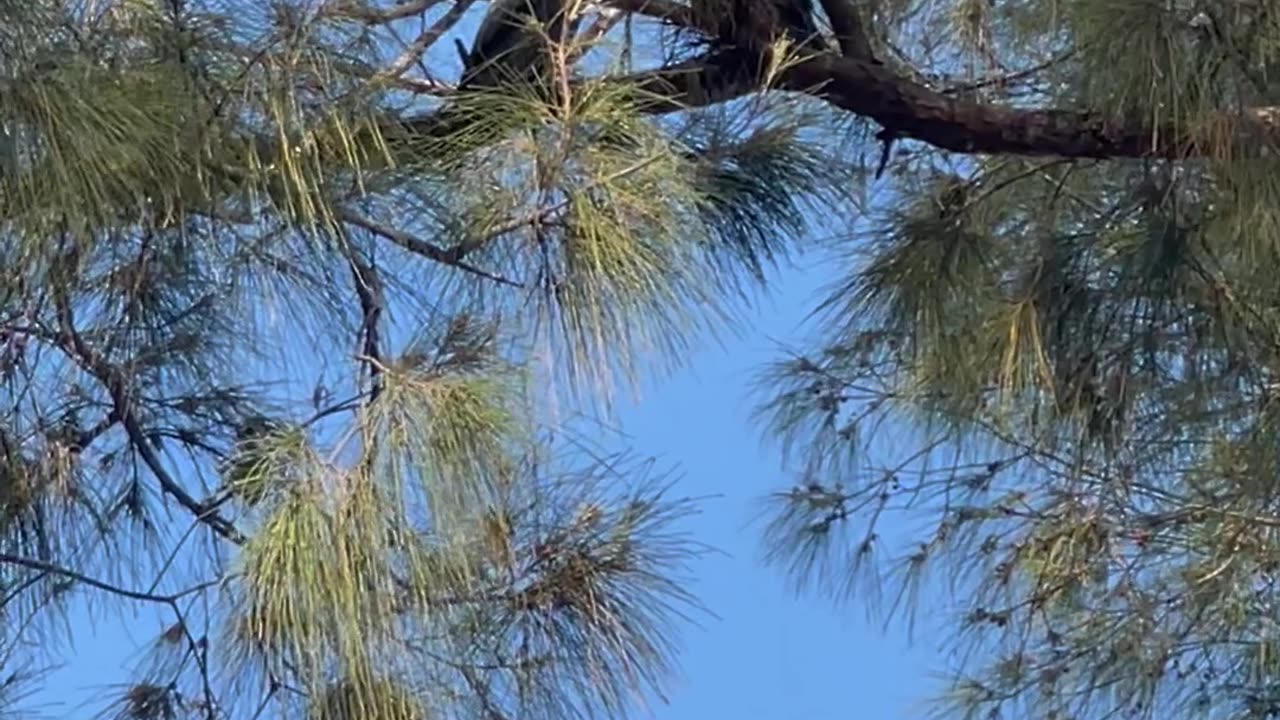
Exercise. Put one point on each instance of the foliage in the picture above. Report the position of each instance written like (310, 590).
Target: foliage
(299, 342)
(286, 340)
(1066, 367)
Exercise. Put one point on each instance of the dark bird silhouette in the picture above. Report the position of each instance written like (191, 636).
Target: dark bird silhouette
(514, 41)
(512, 47)
(751, 25)
(795, 20)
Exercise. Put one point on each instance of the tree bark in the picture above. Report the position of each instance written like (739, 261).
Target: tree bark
(907, 109)
(855, 81)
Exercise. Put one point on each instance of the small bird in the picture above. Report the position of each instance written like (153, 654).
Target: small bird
(795, 18)
(752, 24)
(320, 395)
(513, 42)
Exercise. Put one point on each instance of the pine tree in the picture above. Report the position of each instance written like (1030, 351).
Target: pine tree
(305, 317)
(1055, 341)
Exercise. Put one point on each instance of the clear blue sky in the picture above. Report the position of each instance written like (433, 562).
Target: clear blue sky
(771, 656)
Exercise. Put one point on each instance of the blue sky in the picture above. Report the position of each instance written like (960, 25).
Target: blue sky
(771, 655)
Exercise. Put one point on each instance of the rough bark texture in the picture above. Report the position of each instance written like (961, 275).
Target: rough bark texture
(856, 81)
(907, 109)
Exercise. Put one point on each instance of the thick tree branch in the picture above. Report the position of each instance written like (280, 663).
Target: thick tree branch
(856, 82)
(910, 110)
(907, 109)
(859, 83)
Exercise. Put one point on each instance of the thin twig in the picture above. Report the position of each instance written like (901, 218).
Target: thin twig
(52, 569)
(117, 388)
(418, 246)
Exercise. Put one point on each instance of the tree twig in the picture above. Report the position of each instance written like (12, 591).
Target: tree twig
(418, 246)
(52, 569)
(118, 390)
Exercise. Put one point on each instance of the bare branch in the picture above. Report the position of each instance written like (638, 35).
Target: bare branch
(669, 12)
(418, 246)
(51, 569)
(369, 290)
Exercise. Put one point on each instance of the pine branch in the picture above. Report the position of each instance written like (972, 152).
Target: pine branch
(858, 83)
(418, 246)
(118, 389)
(911, 110)
(66, 573)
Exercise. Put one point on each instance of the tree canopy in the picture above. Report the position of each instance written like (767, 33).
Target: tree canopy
(307, 315)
